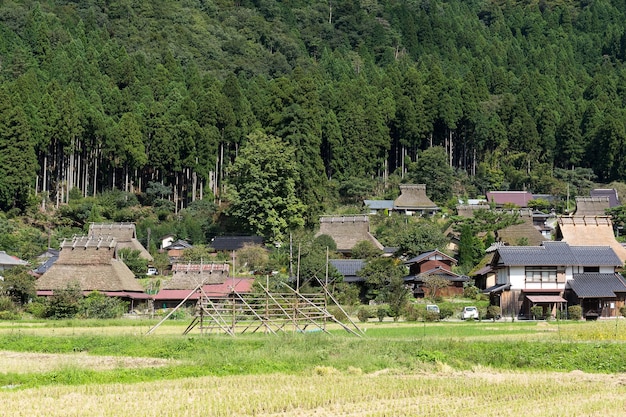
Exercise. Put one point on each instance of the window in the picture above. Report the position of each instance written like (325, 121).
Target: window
(591, 269)
(541, 274)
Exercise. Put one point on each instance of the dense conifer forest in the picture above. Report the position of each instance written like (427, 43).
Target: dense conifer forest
(158, 99)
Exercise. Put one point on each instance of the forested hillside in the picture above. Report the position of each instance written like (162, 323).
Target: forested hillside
(117, 94)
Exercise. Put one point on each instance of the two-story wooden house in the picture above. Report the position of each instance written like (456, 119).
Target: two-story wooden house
(550, 276)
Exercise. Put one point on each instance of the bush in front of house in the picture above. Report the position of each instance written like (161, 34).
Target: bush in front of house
(382, 312)
(339, 314)
(575, 312)
(494, 312)
(472, 292)
(98, 306)
(622, 311)
(445, 311)
(365, 313)
(537, 312)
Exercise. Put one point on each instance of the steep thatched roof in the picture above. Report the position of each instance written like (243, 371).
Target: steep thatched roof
(592, 206)
(347, 231)
(468, 210)
(125, 235)
(413, 197)
(525, 231)
(189, 276)
(589, 231)
(90, 261)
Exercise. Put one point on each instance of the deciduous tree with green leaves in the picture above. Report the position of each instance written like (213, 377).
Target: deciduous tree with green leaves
(263, 195)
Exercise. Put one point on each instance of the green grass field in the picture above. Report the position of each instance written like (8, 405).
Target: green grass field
(112, 368)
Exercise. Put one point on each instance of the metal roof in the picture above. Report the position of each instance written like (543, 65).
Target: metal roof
(546, 299)
(8, 260)
(379, 204)
(596, 285)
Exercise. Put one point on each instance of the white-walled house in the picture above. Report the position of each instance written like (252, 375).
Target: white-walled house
(547, 275)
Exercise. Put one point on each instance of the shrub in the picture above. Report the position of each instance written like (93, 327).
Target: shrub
(98, 306)
(65, 302)
(411, 312)
(575, 312)
(381, 313)
(622, 311)
(471, 291)
(9, 315)
(431, 316)
(537, 312)
(445, 312)
(364, 314)
(38, 308)
(6, 304)
(338, 314)
(494, 312)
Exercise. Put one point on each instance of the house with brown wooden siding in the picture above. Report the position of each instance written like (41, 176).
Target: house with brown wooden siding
(434, 263)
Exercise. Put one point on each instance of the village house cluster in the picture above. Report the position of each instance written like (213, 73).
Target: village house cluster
(565, 260)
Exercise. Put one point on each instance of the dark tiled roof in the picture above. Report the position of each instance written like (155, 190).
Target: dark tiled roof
(496, 288)
(46, 265)
(424, 256)
(558, 253)
(597, 285)
(349, 268)
(611, 193)
(234, 242)
(179, 244)
(596, 255)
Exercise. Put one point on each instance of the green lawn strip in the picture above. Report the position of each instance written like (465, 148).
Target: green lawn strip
(300, 353)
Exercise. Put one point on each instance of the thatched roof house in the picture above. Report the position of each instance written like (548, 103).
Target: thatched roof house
(188, 276)
(92, 263)
(124, 233)
(589, 231)
(413, 200)
(347, 231)
(592, 206)
(522, 234)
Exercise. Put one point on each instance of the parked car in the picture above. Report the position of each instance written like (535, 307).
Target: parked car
(152, 271)
(470, 312)
(432, 308)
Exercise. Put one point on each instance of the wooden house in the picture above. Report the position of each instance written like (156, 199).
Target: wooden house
(434, 263)
(545, 275)
(92, 263)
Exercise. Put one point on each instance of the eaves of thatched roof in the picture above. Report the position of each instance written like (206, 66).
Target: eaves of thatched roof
(413, 197)
(89, 261)
(592, 206)
(347, 231)
(589, 231)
